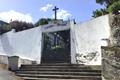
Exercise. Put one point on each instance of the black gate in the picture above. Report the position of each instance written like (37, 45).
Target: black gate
(56, 47)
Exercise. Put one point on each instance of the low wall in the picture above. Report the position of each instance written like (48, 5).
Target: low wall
(3, 59)
(25, 44)
(111, 63)
(15, 62)
(25, 61)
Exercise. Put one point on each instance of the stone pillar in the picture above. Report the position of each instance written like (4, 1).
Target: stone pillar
(111, 53)
(13, 62)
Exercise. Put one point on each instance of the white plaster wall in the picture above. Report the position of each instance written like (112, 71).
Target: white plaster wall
(25, 44)
(3, 59)
(85, 38)
(88, 38)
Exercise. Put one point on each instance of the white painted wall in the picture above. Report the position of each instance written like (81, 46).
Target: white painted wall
(25, 44)
(85, 38)
(88, 38)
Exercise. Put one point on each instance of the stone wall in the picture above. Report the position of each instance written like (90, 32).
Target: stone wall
(111, 53)
(111, 63)
(114, 21)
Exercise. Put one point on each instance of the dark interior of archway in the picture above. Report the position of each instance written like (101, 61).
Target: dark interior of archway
(56, 47)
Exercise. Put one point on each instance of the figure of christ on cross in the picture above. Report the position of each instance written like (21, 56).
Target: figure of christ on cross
(55, 9)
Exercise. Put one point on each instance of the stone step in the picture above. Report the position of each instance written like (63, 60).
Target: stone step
(59, 76)
(53, 64)
(67, 66)
(30, 78)
(62, 70)
(62, 66)
(60, 73)
(47, 68)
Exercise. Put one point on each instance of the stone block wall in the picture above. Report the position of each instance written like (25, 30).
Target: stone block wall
(111, 53)
(114, 21)
(111, 63)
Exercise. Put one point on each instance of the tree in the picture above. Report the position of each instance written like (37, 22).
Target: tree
(100, 12)
(110, 6)
(4, 28)
(106, 3)
(19, 25)
(114, 7)
(42, 21)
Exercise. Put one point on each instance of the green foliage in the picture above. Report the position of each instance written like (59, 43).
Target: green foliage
(19, 25)
(4, 27)
(100, 1)
(110, 6)
(42, 21)
(114, 7)
(3, 23)
(100, 12)
(107, 3)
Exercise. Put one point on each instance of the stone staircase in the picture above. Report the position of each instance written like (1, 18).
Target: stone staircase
(59, 72)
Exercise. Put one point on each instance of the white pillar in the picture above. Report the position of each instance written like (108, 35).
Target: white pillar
(72, 41)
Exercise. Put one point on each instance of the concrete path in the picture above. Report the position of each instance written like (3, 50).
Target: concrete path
(7, 75)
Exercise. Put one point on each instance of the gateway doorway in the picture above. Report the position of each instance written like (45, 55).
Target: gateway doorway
(56, 47)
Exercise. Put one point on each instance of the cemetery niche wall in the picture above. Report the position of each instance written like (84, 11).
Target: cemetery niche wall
(85, 41)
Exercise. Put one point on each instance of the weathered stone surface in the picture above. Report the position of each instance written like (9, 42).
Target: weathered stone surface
(111, 53)
(111, 63)
(115, 29)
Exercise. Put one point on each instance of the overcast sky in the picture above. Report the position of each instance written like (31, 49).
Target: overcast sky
(32, 10)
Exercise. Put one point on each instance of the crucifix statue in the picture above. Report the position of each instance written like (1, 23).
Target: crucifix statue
(55, 9)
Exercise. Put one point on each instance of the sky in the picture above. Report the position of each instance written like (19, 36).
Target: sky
(33, 10)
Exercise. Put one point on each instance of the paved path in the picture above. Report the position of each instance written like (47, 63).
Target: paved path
(7, 75)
